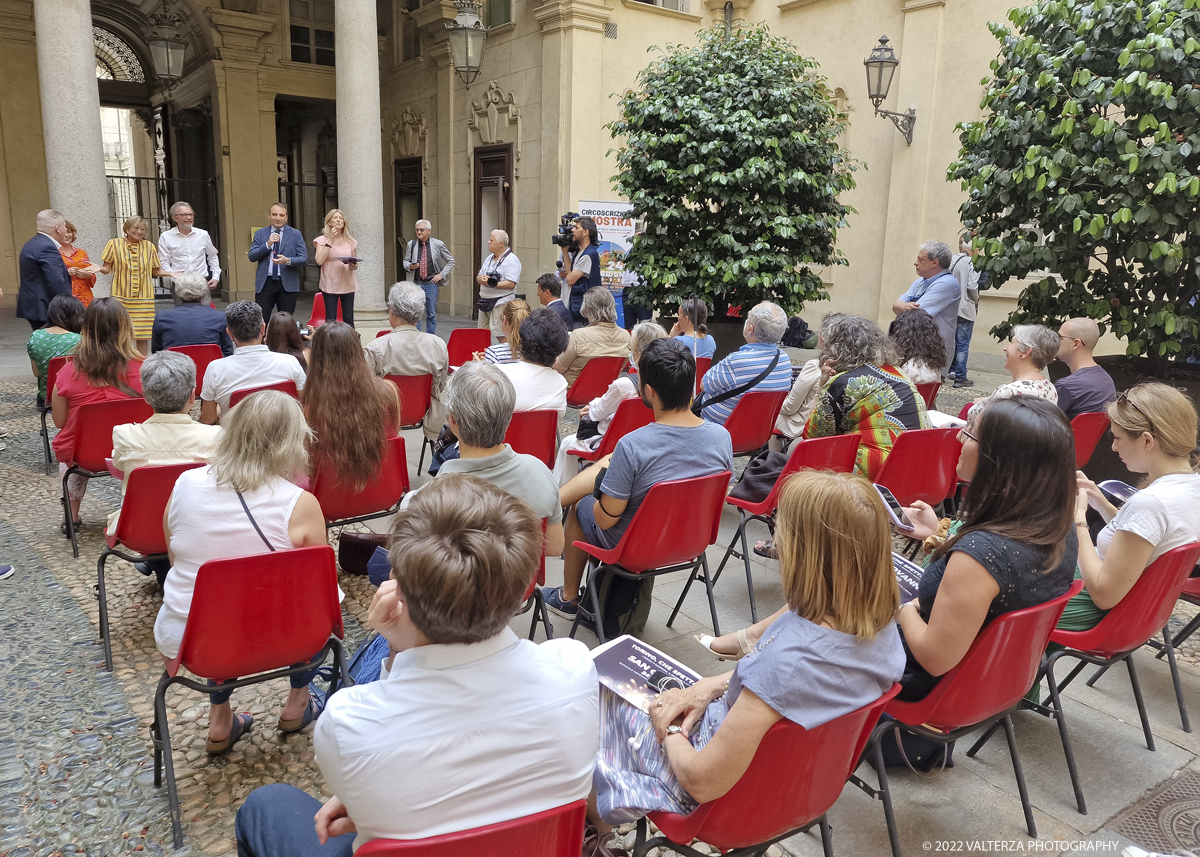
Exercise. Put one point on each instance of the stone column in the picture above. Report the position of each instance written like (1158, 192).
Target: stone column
(71, 121)
(360, 154)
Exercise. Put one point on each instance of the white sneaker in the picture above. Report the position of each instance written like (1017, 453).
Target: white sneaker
(6, 571)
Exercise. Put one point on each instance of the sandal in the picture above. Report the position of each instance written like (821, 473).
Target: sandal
(295, 724)
(241, 726)
(744, 647)
(766, 549)
(62, 528)
(597, 845)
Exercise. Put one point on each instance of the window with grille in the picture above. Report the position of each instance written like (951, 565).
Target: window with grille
(496, 12)
(312, 31)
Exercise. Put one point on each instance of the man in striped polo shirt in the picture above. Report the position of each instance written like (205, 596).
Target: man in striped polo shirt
(764, 328)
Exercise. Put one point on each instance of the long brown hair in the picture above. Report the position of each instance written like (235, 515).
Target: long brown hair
(283, 337)
(1024, 484)
(106, 345)
(349, 409)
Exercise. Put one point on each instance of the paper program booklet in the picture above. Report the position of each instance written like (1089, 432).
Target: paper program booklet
(908, 575)
(637, 672)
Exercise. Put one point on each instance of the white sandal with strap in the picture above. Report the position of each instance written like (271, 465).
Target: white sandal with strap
(744, 647)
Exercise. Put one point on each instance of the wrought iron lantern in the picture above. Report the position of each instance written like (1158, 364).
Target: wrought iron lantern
(881, 68)
(467, 35)
(167, 45)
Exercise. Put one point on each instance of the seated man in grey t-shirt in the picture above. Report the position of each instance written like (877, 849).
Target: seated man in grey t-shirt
(677, 445)
(480, 399)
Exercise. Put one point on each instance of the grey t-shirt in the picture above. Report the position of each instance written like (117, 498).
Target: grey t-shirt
(523, 476)
(1086, 391)
(659, 453)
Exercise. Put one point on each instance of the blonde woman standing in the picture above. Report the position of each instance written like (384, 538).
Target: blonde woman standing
(335, 254)
(133, 262)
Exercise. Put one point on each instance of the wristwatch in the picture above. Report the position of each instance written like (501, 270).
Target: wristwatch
(674, 729)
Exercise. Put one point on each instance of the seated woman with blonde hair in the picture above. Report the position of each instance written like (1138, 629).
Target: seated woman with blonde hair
(835, 651)
(512, 314)
(245, 502)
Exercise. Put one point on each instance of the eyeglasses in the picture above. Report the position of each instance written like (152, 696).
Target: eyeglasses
(966, 433)
(1124, 397)
(1070, 339)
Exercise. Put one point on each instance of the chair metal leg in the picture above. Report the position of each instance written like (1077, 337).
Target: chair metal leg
(730, 551)
(593, 586)
(163, 751)
(102, 598)
(712, 604)
(341, 667)
(66, 501)
(1016, 760)
(749, 576)
(1060, 718)
(1186, 632)
(46, 441)
(1137, 695)
(885, 792)
(541, 607)
(983, 739)
(1169, 648)
(1091, 682)
(424, 442)
(682, 595)
(826, 836)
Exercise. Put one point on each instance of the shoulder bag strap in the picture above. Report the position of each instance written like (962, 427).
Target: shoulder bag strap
(253, 522)
(700, 403)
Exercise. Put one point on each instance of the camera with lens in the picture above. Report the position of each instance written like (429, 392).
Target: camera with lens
(493, 281)
(565, 237)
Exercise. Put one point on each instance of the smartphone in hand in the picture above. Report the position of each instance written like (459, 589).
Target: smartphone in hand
(895, 511)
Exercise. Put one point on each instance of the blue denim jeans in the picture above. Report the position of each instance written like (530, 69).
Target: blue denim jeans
(277, 821)
(962, 344)
(431, 293)
(297, 680)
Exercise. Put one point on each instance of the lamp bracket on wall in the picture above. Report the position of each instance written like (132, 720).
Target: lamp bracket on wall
(904, 122)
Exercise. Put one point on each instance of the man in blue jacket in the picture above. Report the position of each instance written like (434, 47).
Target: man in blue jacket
(937, 291)
(580, 268)
(281, 255)
(43, 272)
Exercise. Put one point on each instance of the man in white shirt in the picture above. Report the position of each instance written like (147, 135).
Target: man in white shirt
(252, 363)
(188, 249)
(465, 726)
(497, 278)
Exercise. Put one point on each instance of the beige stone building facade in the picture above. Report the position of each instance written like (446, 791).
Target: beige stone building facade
(277, 100)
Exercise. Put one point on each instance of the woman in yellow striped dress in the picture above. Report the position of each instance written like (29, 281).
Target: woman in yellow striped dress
(133, 262)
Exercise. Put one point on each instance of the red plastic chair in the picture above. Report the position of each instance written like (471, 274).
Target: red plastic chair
(344, 504)
(752, 420)
(689, 510)
(703, 364)
(594, 379)
(288, 387)
(139, 536)
(533, 596)
(201, 355)
(796, 775)
(966, 409)
(1139, 616)
(985, 688)
(534, 433)
(554, 833)
(835, 453)
(261, 616)
(94, 444)
(52, 370)
(631, 415)
(1088, 428)
(929, 394)
(380, 333)
(921, 466)
(416, 394)
(318, 312)
(464, 342)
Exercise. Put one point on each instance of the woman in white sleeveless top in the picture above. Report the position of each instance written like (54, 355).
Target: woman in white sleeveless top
(262, 451)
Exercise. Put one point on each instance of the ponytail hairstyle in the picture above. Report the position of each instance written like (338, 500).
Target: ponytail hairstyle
(696, 311)
(1163, 411)
(514, 312)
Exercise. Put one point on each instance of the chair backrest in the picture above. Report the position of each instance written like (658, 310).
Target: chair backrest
(318, 312)
(929, 393)
(55, 366)
(676, 522)
(703, 364)
(95, 423)
(631, 415)
(1145, 609)
(260, 612)
(553, 833)
(288, 387)
(339, 500)
(836, 453)
(998, 669)
(534, 433)
(795, 777)
(1088, 429)
(465, 341)
(966, 409)
(147, 491)
(594, 379)
(753, 417)
(201, 355)
(416, 392)
(917, 468)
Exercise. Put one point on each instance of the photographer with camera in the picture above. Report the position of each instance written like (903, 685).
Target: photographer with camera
(497, 278)
(580, 262)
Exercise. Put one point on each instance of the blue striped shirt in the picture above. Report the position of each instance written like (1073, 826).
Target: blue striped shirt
(739, 368)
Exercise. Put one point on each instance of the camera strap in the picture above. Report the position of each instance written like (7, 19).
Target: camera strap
(699, 403)
(499, 262)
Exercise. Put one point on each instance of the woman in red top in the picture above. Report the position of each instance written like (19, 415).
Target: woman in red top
(107, 366)
(350, 411)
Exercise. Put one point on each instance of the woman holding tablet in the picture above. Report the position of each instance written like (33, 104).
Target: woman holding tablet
(335, 250)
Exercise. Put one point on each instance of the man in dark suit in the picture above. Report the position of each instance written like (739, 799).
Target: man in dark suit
(549, 290)
(193, 322)
(281, 255)
(43, 272)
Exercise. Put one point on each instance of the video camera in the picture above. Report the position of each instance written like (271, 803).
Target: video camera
(564, 236)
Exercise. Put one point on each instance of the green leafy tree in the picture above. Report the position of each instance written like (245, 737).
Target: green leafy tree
(730, 155)
(1087, 165)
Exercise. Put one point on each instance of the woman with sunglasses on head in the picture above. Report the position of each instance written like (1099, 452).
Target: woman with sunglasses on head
(1154, 432)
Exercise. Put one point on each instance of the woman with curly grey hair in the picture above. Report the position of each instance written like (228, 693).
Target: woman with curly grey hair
(1029, 350)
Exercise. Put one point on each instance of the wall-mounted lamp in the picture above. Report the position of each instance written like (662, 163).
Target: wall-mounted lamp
(167, 45)
(467, 35)
(881, 67)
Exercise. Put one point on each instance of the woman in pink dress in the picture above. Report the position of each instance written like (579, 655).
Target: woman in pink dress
(77, 263)
(334, 247)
